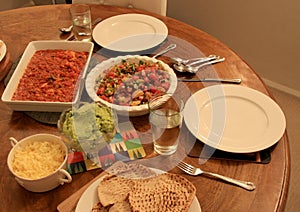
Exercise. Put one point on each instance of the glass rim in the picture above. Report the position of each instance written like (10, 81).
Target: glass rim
(179, 101)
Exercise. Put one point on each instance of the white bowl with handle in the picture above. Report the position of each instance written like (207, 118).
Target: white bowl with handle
(48, 182)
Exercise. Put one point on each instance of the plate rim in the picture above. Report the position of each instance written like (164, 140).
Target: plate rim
(93, 187)
(149, 18)
(228, 90)
(3, 50)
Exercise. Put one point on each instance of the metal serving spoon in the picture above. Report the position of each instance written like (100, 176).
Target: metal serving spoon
(170, 47)
(178, 60)
(193, 70)
(66, 29)
(69, 29)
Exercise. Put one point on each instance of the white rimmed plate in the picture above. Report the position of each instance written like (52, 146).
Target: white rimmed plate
(2, 50)
(130, 32)
(235, 119)
(90, 197)
(124, 110)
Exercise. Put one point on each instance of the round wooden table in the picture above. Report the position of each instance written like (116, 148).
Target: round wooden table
(20, 26)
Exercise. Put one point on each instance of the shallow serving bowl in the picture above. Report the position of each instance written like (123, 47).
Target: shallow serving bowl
(96, 124)
(20, 69)
(49, 182)
(90, 84)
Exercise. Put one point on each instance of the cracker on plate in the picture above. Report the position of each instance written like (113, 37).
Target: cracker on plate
(139, 188)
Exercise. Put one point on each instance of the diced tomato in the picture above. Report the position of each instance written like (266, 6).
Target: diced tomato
(122, 80)
(135, 77)
(165, 85)
(104, 97)
(153, 77)
(52, 75)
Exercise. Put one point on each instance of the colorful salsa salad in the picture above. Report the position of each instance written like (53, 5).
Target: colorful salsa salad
(132, 82)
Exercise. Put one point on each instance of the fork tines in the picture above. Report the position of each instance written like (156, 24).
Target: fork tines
(185, 167)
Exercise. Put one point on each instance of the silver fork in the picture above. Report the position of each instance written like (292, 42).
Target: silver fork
(189, 169)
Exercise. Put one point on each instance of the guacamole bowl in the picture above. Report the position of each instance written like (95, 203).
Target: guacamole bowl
(90, 125)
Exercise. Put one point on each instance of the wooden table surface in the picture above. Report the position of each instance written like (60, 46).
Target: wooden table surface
(19, 27)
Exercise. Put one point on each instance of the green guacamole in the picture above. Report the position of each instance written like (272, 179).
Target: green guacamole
(89, 122)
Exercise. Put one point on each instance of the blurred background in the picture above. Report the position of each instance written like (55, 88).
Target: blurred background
(264, 33)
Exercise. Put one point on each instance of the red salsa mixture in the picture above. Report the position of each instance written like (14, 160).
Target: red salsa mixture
(132, 82)
(51, 75)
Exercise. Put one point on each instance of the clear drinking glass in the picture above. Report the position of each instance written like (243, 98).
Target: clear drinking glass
(166, 119)
(81, 20)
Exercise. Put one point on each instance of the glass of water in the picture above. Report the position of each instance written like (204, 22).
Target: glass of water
(81, 20)
(166, 119)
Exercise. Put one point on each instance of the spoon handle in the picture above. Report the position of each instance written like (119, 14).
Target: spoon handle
(237, 81)
(202, 60)
(170, 47)
(210, 62)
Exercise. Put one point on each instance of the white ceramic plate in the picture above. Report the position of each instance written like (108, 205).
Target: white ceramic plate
(20, 69)
(2, 50)
(130, 32)
(90, 197)
(124, 110)
(235, 119)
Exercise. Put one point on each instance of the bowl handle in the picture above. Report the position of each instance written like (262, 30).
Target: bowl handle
(13, 141)
(19, 181)
(66, 174)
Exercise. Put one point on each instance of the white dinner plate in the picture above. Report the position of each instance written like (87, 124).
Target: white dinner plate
(235, 119)
(130, 32)
(2, 50)
(90, 197)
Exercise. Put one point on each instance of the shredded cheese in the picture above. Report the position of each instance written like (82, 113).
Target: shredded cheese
(38, 159)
